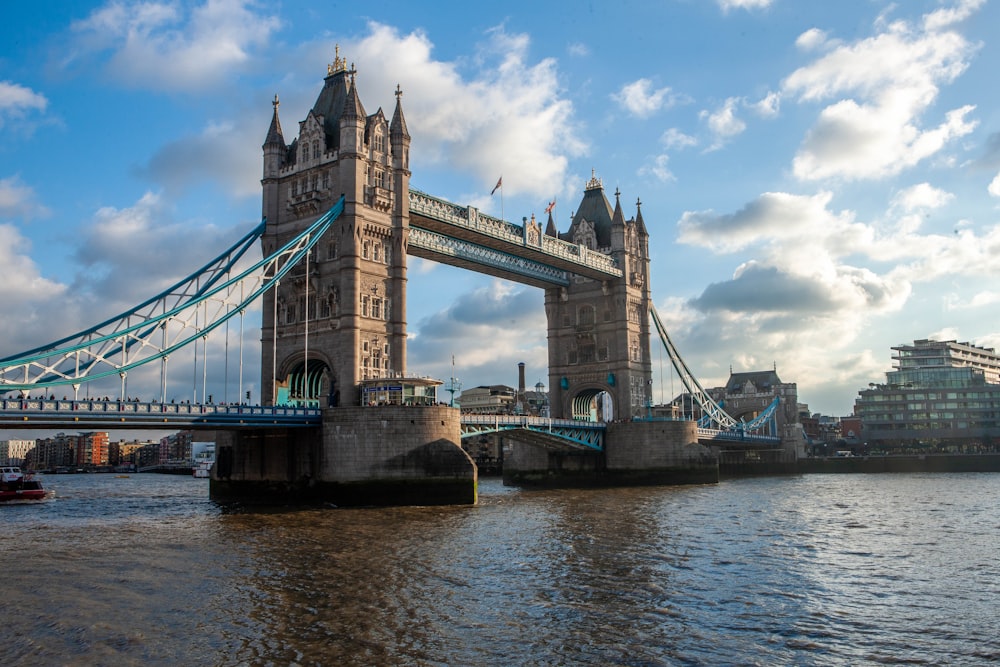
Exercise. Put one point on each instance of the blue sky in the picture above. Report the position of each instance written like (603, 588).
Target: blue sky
(820, 180)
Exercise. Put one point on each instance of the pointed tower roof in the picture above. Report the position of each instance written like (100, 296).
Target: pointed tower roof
(640, 226)
(353, 109)
(330, 102)
(397, 127)
(274, 135)
(594, 208)
(550, 228)
(618, 218)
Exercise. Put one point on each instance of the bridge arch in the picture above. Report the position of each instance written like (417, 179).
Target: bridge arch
(305, 385)
(593, 404)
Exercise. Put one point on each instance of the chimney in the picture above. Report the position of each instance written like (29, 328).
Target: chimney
(520, 379)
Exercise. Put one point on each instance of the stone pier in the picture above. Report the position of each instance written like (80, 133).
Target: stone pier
(635, 453)
(384, 455)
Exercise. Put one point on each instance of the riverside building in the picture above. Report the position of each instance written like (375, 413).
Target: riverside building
(941, 396)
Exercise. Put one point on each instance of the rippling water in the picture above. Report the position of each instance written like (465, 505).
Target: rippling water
(812, 570)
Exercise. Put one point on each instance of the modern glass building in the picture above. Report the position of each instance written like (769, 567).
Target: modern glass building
(941, 396)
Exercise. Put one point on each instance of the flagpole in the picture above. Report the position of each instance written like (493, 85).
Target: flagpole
(501, 203)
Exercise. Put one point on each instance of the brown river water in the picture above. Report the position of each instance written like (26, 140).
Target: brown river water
(808, 570)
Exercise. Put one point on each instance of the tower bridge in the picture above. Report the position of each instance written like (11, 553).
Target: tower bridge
(340, 220)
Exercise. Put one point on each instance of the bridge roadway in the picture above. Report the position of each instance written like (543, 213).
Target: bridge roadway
(51, 413)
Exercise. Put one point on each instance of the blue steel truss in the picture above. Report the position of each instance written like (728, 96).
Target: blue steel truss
(473, 253)
(562, 433)
(714, 417)
(183, 314)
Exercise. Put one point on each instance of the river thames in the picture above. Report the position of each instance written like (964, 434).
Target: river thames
(807, 570)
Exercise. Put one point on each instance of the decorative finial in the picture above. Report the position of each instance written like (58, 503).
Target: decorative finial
(339, 64)
(638, 202)
(276, 103)
(617, 193)
(399, 92)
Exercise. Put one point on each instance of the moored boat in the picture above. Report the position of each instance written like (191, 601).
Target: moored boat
(15, 485)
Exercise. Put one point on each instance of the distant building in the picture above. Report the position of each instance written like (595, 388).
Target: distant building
(12, 452)
(494, 399)
(942, 396)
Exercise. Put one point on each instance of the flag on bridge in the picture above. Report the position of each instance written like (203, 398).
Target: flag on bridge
(552, 205)
(495, 187)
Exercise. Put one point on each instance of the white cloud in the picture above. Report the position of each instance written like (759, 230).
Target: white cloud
(674, 138)
(157, 45)
(723, 122)
(811, 39)
(578, 49)
(921, 196)
(946, 16)
(639, 98)
(16, 100)
(659, 169)
(18, 200)
(31, 303)
(994, 187)
(769, 106)
(874, 129)
(726, 5)
(512, 112)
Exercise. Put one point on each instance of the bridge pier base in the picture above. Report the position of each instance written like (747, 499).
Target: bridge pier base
(635, 453)
(384, 455)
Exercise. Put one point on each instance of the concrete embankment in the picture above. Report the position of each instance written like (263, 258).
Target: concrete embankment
(933, 463)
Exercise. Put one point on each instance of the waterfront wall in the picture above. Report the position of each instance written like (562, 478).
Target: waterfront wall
(385, 455)
(635, 453)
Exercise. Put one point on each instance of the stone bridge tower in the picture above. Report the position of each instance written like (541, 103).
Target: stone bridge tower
(598, 331)
(345, 320)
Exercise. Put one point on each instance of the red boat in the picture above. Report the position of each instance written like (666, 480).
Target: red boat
(15, 485)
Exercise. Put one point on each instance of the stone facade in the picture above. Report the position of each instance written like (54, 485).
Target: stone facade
(347, 305)
(598, 331)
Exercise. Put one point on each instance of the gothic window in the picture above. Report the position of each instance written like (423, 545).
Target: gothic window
(602, 353)
(324, 308)
(315, 181)
(326, 180)
(378, 177)
(316, 149)
(290, 314)
(365, 306)
(331, 250)
(377, 308)
(365, 249)
(571, 357)
(587, 353)
(375, 251)
(305, 151)
(291, 190)
(586, 315)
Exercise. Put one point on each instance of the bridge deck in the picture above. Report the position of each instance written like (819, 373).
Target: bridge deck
(36, 413)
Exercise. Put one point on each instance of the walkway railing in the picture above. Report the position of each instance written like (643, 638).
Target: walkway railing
(34, 412)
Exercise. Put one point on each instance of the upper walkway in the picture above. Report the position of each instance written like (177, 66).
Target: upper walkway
(465, 237)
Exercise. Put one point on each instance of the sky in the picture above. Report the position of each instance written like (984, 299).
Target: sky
(820, 181)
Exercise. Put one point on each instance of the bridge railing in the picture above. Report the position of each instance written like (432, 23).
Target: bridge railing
(35, 405)
(526, 420)
(736, 436)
